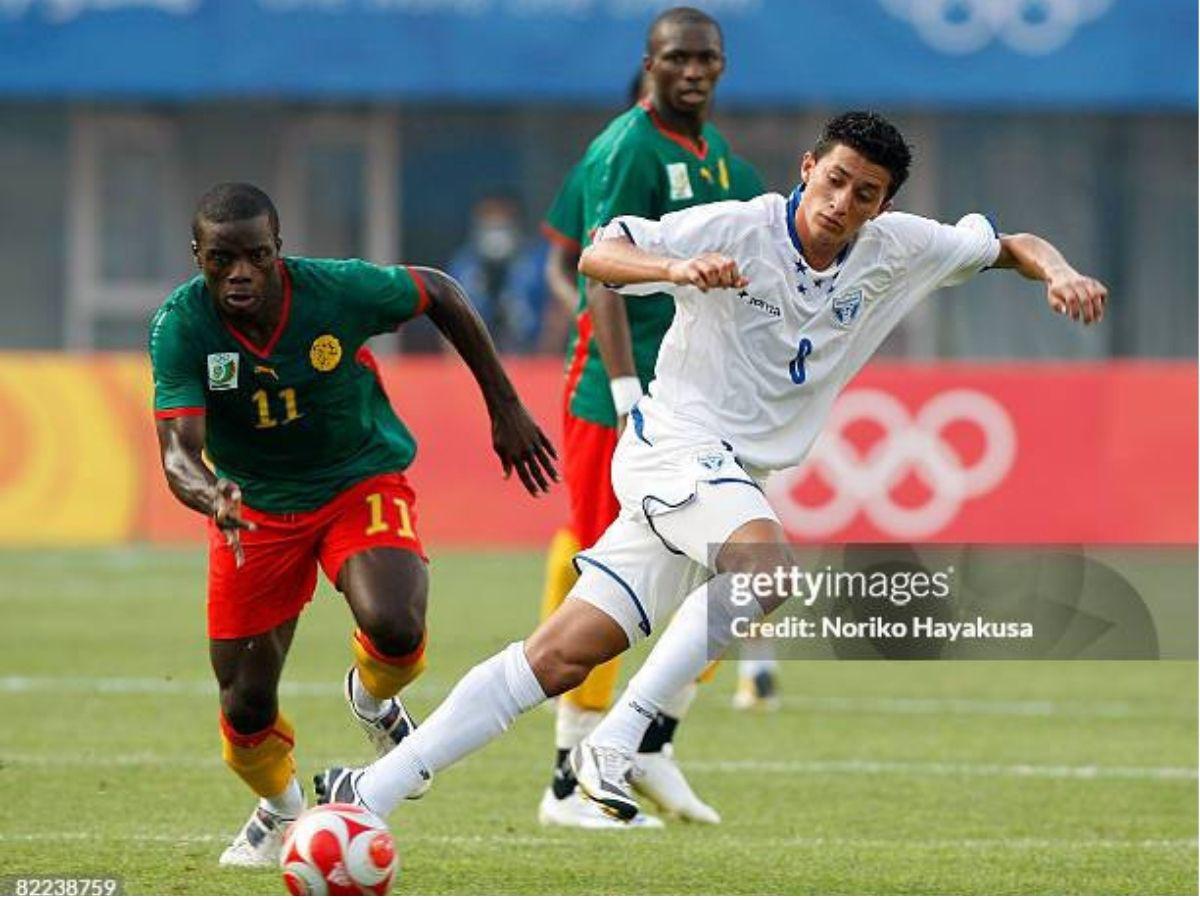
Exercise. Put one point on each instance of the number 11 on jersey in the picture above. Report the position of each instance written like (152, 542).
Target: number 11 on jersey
(263, 401)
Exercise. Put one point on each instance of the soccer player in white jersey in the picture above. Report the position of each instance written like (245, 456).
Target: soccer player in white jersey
(780, 301)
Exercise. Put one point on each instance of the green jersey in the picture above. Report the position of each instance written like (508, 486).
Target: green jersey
(638, 167)
(303, 417)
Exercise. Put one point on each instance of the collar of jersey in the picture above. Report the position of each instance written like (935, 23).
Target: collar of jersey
(265, 351)
(793, 204)
(699, 149)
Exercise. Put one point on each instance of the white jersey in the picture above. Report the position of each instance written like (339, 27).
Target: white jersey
(759, 368)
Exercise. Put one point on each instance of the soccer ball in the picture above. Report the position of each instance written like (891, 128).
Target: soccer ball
(338, 849)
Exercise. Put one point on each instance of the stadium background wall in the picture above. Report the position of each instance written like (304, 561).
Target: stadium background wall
(1089, 453)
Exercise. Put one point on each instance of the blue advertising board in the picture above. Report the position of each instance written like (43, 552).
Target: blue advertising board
(1094, 54)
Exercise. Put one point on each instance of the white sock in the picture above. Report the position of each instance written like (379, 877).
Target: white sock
(480, 708)
(698, 634)
(677, 707)
(573, 723)
(365, 702)
(289, 804)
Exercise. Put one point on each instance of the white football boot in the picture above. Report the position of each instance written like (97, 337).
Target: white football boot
(656, 776)
(603, 776)
(259, 843)
(577, 811)
(387, 729)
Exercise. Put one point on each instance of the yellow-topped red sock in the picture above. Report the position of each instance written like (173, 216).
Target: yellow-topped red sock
(263, 759)
(382, 675)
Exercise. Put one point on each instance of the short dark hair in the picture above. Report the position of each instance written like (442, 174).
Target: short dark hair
(874, 137)
(234, 201)
(680, 15)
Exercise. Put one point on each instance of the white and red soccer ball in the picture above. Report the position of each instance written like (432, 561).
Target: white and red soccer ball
(339, 850)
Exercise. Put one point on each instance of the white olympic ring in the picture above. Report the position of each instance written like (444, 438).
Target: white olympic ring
(910, 444)
(1032, 27)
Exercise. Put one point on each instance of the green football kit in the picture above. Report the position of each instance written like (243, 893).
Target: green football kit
(303, 417)
(636, 166)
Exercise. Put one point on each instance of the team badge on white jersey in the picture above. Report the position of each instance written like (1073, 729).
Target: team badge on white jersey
(846, 307)
(222, 371)
(677, 178)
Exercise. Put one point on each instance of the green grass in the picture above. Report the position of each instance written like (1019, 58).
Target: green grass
(938, 778)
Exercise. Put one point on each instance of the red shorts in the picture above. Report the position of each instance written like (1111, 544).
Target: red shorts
(280, 572)
(587, 468)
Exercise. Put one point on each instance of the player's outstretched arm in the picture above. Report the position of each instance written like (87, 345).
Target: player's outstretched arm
(1067, 291)
(618, 260)
(516, 438)
(180, 444)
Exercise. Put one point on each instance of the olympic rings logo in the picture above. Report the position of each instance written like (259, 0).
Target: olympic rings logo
(910, 445)
(1032, 27)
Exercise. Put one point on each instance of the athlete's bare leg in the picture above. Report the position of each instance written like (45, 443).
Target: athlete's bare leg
(387, 589)
(568, 645)
(248, 671)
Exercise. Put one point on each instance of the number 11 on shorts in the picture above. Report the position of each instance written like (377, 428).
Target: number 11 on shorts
(379, 524)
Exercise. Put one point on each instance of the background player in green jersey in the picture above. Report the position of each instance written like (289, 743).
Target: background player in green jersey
(659, 156)
(563, 230)
(260, 362)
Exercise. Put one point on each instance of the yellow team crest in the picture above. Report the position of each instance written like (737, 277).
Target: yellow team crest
(325, 353)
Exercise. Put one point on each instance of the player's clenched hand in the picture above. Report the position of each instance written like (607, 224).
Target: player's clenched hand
(707, 271)
(1077, 296)
(227, 514)
(523, 447)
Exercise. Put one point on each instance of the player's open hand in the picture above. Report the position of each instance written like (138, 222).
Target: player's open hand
(1077, 296)
(522, 447)
(227, 514)
(707, 271)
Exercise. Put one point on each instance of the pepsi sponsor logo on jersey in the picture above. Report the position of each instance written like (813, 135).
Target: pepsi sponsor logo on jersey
(680, 183)
(222, 371)
(760, 304)
(846, 307)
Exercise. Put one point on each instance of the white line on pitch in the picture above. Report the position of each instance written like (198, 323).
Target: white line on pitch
(1016, 843)
(940, 706)
(917, 706)
(49, 684)
(919, 769)
(943, 769)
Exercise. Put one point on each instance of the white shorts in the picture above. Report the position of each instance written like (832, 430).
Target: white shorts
(679, 504)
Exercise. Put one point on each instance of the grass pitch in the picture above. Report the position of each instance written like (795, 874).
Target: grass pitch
(1002, 777)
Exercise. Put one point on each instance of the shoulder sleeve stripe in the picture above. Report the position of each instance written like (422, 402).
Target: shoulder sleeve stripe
(179, 412)
(554, 236)
(422, 293)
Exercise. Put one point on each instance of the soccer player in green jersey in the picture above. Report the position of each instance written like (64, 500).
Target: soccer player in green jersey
(260, 362)
(659, 156)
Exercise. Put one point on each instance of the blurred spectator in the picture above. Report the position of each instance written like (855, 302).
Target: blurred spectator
(501, 268)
